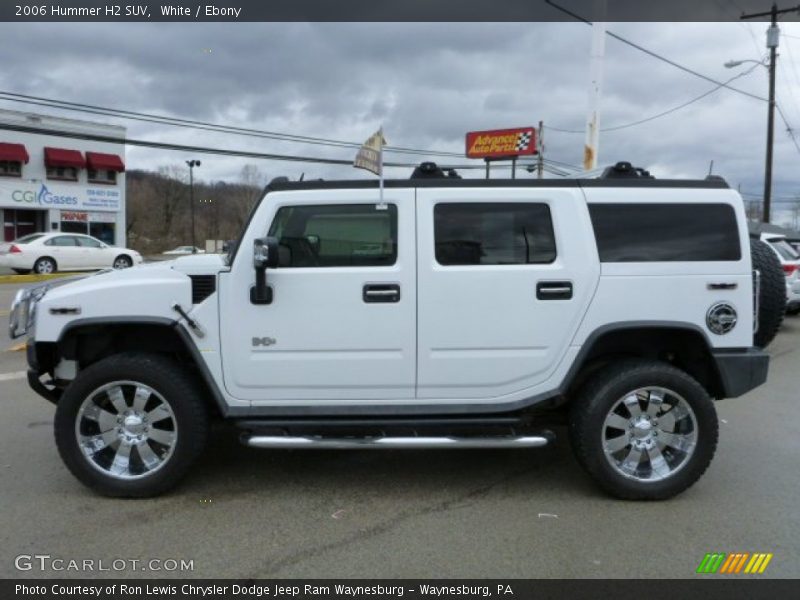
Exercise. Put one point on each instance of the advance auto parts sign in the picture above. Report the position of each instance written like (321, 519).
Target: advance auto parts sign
(501, 143)
(47, 195)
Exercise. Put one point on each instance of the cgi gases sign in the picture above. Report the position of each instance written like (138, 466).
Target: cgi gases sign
(45, 196)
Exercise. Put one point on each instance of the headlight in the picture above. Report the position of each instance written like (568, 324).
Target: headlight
(23, 310)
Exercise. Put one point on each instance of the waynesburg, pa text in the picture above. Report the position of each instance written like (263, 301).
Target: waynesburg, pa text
(273, 591)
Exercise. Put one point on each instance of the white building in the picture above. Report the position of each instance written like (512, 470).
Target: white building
(54, 183)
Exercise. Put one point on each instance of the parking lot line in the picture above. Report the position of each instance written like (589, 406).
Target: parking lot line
(12, 376)
(16, 347)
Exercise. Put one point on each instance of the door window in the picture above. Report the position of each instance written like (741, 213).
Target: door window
(63, 240)
(495, 233)
(88, 242)
(342, 235)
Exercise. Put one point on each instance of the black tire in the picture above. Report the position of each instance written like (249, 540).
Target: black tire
(177, 389)
(45, 265)
(21, 271)
(598, 398)
(772, 299)
(122, 259)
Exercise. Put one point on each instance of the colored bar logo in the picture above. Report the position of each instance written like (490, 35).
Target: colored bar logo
(734, 563)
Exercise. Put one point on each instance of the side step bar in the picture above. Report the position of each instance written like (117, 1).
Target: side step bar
(331, 443)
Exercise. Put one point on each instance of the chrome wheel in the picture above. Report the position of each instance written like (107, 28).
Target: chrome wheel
(122, 262)
(126, 430)
(649, 434)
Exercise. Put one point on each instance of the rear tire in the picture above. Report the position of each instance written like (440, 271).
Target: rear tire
(131, 425)
(772, 299)
(643, 430)
(45, 266)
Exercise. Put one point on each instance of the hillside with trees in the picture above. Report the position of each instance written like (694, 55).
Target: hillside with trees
(158, 207)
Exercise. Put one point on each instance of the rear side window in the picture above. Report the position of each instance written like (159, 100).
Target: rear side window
(341, 235)
(62, 240)
(665, 232)
(493, 233)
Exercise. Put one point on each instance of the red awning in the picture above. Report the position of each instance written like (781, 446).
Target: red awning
(13, 152)
(104, 162)
(59, 157)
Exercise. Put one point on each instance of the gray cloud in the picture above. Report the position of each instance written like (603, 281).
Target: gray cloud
(427, 83)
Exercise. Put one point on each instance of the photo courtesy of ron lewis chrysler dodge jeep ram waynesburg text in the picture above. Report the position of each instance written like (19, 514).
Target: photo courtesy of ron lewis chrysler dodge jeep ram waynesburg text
(454, 314)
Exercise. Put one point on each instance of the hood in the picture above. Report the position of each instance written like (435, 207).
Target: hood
(199, 264)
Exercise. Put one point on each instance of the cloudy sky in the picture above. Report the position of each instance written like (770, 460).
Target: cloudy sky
(427, 84)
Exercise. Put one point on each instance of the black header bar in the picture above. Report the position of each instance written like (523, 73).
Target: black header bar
(188, 11)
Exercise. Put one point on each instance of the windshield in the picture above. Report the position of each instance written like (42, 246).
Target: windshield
(28, 238)
(785, 249)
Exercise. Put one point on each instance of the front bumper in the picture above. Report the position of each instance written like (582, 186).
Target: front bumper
(741, 370)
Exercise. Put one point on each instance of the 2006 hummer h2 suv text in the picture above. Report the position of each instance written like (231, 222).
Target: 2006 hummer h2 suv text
(455, 313)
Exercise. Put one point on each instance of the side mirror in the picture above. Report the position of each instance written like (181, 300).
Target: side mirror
(265, 255)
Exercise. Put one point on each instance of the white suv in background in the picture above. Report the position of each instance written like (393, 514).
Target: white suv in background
(790, 261)
(45, 253)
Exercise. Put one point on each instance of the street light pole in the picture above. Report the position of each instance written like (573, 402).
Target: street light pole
(192, 164)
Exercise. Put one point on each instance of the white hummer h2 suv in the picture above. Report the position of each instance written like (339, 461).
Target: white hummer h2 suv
(453, 314)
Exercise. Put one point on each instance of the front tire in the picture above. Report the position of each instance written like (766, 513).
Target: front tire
(123, 262)
(131, 425)
(643, 430)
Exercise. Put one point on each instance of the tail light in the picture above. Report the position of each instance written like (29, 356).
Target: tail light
(14, 250)
(787, 269)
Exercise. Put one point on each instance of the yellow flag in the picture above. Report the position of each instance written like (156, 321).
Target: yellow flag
(370, 155)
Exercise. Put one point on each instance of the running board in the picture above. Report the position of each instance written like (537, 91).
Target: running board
(331, 443)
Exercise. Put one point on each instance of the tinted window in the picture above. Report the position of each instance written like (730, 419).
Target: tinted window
(88, 242)
(28, 238)
(62, 240)
(493, 234)
(343, 235)
(665, 232)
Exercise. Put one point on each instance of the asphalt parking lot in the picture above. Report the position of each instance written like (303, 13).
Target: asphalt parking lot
(249, 513)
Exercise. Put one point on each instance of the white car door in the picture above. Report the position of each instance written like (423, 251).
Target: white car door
(94, 254)
(65, 250)
(341, 323)
(502, 288)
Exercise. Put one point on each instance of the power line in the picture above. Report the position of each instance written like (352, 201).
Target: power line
(232, 152)
(203, 125)
(658, 56)
(664, 113)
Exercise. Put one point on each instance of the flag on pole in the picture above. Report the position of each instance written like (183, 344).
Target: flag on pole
(370, 155)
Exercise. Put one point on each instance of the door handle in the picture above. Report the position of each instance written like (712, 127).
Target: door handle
(381, 292)
(554, 290)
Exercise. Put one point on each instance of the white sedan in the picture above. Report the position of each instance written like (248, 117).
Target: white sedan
(50, 252)
(183, 250)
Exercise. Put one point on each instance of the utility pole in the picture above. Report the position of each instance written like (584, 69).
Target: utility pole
(592, 141)
(773, 35)
(540, 152)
